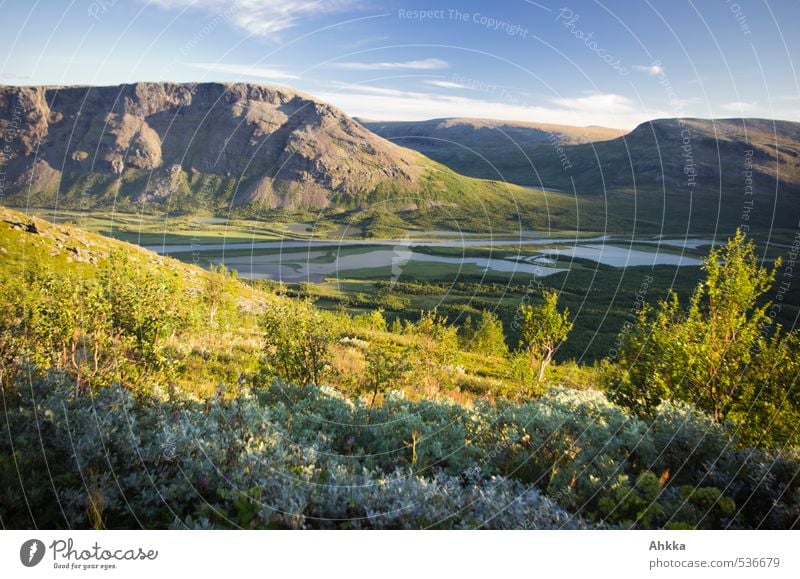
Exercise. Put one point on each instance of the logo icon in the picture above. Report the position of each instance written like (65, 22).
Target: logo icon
(32, 552)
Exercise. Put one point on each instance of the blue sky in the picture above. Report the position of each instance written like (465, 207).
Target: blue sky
(613, 63)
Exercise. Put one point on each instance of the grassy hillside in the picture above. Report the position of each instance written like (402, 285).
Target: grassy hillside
(143, 392)
(678, 174)
(440, 199)
(247, 150)
(511, 151)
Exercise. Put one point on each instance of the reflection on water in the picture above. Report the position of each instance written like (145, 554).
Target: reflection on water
(314, 260)
(293, 267)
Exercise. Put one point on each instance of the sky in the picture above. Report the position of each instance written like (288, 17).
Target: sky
(578, 62)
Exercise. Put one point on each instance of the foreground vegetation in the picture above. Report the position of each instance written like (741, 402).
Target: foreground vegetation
(139, 391)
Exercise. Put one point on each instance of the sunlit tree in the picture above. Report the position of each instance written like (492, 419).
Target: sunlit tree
(543, 328)
(717, 353)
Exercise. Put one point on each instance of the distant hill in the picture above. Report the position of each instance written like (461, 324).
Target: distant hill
(486, 148)
(718, 165)
(525, 153)
(698, 153)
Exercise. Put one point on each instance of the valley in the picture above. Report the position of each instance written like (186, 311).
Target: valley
(597, 274)
(267, 302)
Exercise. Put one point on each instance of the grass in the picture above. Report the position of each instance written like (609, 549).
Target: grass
(600, 297)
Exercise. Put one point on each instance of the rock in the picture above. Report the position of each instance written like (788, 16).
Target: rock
(307, 149)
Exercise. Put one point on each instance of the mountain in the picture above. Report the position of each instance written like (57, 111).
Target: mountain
(724, 172)
(655, 151)
(691, 153)
(231, 143)
(665, 164)
(267, 151)
(487, 148)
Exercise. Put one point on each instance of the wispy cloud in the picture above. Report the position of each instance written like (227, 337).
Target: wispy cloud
(260, 17)
(239, 70)
(445, 84)
(652, 70)
(740, 107)
(14, 76)
(424, 64)
(391, 104)
(598, 103)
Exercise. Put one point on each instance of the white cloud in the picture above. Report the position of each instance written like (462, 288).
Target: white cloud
(607, 103)
(740, 107)
(389, 104)
(239, 70)
(259, 17)
(363, 88)
(445, 84)
(652, 70)
(424, 64)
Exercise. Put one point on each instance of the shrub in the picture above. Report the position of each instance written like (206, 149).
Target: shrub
(485, 336)
(296, 342)
(307, 457)
(717, 354)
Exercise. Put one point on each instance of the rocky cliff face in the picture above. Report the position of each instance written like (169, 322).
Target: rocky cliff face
(148, 141)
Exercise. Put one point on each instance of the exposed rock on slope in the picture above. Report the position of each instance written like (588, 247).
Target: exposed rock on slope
(249, 143)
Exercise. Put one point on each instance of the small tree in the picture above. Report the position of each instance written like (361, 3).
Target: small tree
(296, 342)
(386, 366)
(543, 328)
(215, 294)
(437, 349)
(372, 320)
(486, 335)
(715, 354)
(142, 309)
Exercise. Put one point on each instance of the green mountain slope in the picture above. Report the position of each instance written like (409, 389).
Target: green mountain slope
(248, 148)
(693, 174)
(490, 149)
